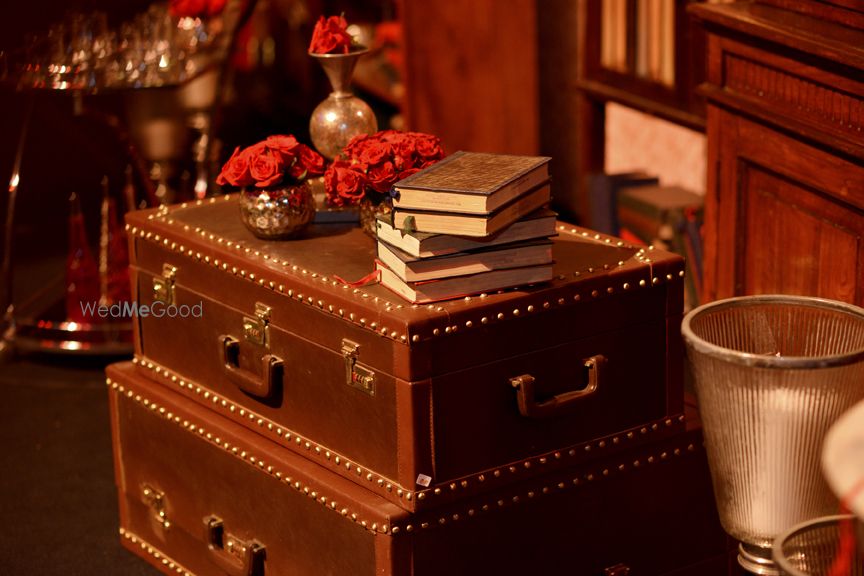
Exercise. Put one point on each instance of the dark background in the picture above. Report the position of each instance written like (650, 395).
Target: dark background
(68, 151)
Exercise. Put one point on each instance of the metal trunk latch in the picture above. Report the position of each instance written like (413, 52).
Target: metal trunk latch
(163, 287)
(257, 330)
(356, 376)
(155, 499)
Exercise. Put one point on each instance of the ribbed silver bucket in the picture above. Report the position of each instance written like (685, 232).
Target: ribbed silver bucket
(772, 373)
(822, 547)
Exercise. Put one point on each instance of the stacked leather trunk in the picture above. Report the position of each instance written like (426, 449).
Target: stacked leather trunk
(279, 420)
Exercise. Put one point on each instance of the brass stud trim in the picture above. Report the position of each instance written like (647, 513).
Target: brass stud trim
(146, 547)
(242, 454)
(277, 433)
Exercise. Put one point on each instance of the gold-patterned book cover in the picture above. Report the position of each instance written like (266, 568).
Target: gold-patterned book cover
(471, 182)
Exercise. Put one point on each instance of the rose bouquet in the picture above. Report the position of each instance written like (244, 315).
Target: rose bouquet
(277, 162)
(276, 201)
(370, 165)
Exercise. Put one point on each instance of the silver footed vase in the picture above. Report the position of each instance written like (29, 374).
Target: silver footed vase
(342, 116)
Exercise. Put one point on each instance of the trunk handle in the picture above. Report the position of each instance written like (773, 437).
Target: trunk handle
(263, 386)
(531, 408)
(234, 556)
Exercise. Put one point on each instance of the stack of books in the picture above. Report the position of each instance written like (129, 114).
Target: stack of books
(471, 223)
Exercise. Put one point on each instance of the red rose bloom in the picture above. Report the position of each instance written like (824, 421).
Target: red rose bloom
(381, 177)
(375, 153)
(265, 165)
(330, 36)
(310, 161)
(428, 147)
(356, 145)
(285, 145)
(235, 172)
(344, 185)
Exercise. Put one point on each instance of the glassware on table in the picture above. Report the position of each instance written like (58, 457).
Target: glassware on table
(277, 213)
(82, 272)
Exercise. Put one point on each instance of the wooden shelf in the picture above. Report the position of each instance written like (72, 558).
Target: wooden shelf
(605, 92)
(596, 84)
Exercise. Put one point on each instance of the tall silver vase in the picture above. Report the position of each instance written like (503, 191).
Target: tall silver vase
(342, 115)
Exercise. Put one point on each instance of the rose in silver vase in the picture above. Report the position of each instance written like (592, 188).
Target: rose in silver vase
(342, 116)
(276, 201)
(369, 166)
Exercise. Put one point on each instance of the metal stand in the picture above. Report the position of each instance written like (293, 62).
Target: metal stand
(757, 560)
(7, 324)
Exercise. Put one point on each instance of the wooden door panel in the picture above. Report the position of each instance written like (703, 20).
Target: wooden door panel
(796, 239)
(786, 216)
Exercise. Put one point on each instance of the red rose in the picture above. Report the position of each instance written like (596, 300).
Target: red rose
(285, 145)
(429, 147)
(330, 35)
(308, 162)
(404, 154)
(375, 153)
(344, 185)
(266, 166)
(357, 144)
(381, 177)
(235, 171)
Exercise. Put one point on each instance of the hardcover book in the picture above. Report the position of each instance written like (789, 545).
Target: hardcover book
(458, 286)
(538, 224)
(603, 192)
(668, 217)
(471, 182)
(445, 222)
(516, 255)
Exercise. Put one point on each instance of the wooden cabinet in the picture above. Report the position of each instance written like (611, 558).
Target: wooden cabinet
(785, 199)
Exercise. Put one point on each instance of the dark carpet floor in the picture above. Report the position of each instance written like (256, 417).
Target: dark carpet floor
(58, 507)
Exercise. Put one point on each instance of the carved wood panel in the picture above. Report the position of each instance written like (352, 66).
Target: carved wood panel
(796, 240)
(807, 98)
(781, 216)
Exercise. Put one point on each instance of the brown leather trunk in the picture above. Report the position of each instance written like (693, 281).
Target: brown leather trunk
(420, 404)
(200, 494)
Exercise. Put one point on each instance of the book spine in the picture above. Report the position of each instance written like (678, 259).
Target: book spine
(602, 209)
(667, 38)
(645, 227)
